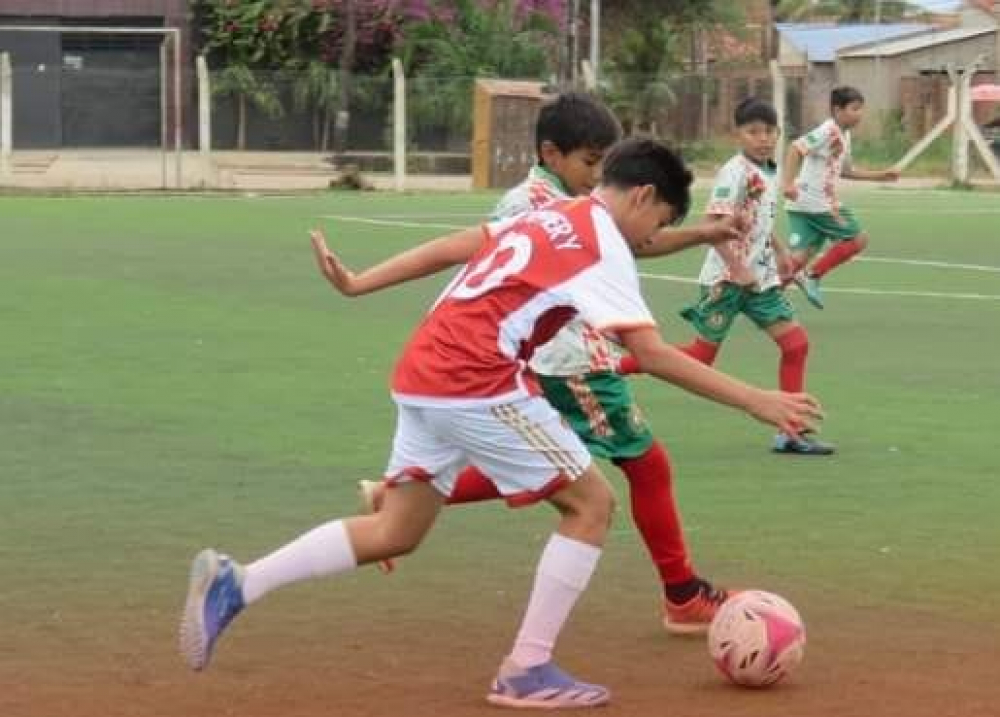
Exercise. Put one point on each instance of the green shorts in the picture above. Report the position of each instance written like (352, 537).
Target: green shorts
(809, 232)
(719, 306)
(601, 410)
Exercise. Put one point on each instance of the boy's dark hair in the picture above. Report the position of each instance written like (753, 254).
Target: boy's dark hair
(843, 96)
(636, 162)
(575, 120)
(754, 109)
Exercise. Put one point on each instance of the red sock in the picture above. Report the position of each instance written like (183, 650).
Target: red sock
(655, 513)
(628, 365)
(835, 256)
(472, 486)
(794, 345)
(704, 351)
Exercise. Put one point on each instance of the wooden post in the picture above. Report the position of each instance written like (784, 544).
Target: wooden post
(960, 140)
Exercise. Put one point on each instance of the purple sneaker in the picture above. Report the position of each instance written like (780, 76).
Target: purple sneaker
(214, 598)
(543, 687)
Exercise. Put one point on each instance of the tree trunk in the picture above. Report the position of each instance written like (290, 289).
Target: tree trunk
(325, 139)
(241, 122)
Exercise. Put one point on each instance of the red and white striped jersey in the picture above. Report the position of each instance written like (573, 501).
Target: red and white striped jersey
(531, 276)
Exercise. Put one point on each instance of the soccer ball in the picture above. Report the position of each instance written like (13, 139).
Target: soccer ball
(756, 638)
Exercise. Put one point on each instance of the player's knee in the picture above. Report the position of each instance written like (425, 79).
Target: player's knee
(592, 505)
(862, 241)
(599, 508)
(795, 344)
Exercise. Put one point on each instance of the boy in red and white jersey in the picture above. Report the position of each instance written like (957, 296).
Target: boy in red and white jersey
(465, 396)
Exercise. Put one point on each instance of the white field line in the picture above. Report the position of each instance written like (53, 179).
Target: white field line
(690, 280)
(925, 209)
(860, 291)
(396, 222)
(926, 262)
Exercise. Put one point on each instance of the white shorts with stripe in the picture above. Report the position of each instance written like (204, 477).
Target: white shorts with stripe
(524, 447)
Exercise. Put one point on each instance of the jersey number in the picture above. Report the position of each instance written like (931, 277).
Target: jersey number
(511, 255)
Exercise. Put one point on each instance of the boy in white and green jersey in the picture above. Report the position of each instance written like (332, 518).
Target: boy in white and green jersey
(741, 276)
(815, 164)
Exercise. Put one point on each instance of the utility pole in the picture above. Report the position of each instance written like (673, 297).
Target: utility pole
(595, 39)
(878, 61)
(574, 41)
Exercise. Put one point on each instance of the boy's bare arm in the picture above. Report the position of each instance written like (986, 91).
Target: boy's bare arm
(424, 260)
(790, 172)
(670, 240)
(791, 413)
(782, 257)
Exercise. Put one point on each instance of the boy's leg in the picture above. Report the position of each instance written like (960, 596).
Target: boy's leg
(847, 242)
(220, 588)
(839, 253)
(602, 411)
(528, 677)
(775, 316)
(806, 236)
(701, 350)
(531, 454)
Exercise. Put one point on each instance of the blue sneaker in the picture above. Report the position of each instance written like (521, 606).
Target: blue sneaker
(214, 598)
(543, 687)
(810, 287)
(804, 446)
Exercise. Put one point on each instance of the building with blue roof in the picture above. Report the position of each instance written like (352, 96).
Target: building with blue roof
(807, 53)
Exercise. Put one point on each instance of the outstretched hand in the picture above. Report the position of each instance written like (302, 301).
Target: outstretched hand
(791, 413)
(723, 229)
(339, 276)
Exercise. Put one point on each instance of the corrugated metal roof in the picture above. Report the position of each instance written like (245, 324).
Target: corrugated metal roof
(920, 42)
(938, 6)
(820, 42)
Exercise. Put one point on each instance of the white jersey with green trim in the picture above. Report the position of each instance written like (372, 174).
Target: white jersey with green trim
(578, 348)
(826, 152)
(743, 186)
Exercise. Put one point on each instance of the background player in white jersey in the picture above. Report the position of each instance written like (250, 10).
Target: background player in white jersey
(464, 395)
(814, 165)
(741, 277)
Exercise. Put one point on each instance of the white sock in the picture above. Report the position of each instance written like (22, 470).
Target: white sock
(325, 550)
(562, 575)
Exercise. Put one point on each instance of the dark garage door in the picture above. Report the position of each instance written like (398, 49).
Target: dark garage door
(110, 91)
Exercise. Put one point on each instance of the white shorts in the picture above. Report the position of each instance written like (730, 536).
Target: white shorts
(524, 447)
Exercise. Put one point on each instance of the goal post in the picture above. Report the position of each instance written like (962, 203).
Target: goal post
(171, 66)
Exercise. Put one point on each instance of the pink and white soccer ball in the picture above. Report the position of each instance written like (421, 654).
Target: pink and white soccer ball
(756, 638)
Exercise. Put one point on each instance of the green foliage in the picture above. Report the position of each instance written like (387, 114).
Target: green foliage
(894, 140)
(475, 40)
(639, 78)
(647, 71)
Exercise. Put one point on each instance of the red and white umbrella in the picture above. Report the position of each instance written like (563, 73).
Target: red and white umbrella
(986, 93)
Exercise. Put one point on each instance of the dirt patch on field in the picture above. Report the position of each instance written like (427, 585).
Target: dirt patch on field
(362, 661)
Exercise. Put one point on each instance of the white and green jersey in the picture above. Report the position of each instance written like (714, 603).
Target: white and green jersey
(537, 190)
(743, 186)
(577, 348)
(826, 153)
